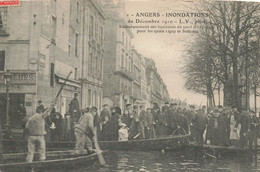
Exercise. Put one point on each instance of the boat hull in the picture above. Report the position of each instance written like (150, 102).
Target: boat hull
(56, 161)
(168, 142)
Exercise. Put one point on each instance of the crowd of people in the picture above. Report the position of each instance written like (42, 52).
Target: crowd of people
(219, 125)
(222, 126)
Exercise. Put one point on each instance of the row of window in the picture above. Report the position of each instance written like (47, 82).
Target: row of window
(126, 62)
(125, 41)
(3, 18)
(94, 98)
(99, 32)
(95, 65)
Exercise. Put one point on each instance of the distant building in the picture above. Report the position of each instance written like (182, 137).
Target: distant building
(157, 88)
(118, 74)
(137, 96)
(93, 53)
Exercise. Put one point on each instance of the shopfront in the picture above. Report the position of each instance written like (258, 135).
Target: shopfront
(67, 93)
(22, 90)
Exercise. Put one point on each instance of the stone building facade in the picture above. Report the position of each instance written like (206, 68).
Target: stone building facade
(54, 38)
(118, 74)
(136, 67)
(93, 53)
(157, 89)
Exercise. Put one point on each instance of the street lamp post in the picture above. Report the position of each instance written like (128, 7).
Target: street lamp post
(7, 78)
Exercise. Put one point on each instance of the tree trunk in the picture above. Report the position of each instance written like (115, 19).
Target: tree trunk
(255, 95)
(236, 100)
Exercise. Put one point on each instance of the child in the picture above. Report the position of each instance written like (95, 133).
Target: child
(123, 132)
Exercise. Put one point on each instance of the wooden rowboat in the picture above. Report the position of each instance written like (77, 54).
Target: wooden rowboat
(167, 142)
(226, 149)
(55, 159)
(170, 142)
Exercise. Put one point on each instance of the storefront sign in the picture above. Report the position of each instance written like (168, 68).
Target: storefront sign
(20, 77)
(18, 88)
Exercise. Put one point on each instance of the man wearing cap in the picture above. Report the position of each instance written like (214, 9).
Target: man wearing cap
(36, 130)
(85, 131)
(74, 108)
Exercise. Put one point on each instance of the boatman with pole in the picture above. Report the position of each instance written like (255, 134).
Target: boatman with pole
(85, 133)
(36, 128)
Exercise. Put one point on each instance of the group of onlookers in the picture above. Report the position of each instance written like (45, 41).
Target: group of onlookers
(57, 127)
(137, 123)
(227, 126)
(217, 125)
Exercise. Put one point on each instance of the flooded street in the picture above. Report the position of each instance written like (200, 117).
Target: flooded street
(169, 161)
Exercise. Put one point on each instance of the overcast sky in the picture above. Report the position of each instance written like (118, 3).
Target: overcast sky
(165, 49)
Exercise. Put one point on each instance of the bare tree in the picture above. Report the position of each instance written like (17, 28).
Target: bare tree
(229, 34)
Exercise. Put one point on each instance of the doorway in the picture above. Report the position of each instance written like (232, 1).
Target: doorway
(14, 102)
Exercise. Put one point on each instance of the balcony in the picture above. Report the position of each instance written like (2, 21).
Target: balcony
(137, 80)
(125, 73)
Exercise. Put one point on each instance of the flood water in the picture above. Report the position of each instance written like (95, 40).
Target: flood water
(132, 161)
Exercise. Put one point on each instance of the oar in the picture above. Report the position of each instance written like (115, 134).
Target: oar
(98, 151)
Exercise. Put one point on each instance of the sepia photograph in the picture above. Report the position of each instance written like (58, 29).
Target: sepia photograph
(129, 85)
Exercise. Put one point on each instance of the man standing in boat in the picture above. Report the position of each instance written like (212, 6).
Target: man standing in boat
(36, 128)
(85, 131)
(74, 108)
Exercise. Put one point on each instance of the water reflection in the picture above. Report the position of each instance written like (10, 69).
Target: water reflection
(126, 161)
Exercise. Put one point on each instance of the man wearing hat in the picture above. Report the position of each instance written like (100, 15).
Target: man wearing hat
(67, 127)
(36, 132)
(127, 116)
(74, 109)
(85, 131)
(167, 104)
(254, 129)
(40, 108)
(156, 112)
(174, 117)
(190, 116)
(245, 128)
(105, 114)
(199, 125)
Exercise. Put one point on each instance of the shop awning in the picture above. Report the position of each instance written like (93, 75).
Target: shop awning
(69, 82)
